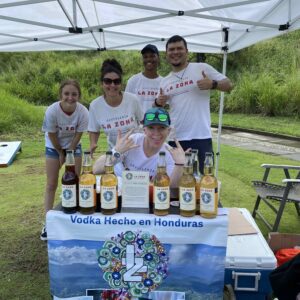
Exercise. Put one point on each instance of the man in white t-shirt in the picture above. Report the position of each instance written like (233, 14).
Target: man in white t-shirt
(145, 85)
(187, 91)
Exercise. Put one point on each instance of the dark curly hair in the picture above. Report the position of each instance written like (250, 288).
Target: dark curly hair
(111, 65)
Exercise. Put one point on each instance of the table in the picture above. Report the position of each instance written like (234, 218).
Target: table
(136, 253)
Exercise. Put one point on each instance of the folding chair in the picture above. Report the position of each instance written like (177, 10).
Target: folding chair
(267, 191)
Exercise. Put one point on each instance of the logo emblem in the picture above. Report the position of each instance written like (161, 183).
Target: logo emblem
(67, 194)
(108, 196)
(135, 263)
(162, 196)
(187, 197)
(206, 198)
(85, 194)
(129, 176)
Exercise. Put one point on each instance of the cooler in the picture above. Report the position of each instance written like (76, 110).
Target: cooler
(249, 261)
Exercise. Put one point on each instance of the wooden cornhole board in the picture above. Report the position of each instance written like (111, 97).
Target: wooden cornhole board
(8, 151)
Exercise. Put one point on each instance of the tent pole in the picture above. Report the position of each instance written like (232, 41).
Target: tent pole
(220, 117)
(74, 13)
(225, 48)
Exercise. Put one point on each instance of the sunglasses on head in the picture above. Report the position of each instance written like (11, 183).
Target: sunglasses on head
(110, 81)
(160, 116)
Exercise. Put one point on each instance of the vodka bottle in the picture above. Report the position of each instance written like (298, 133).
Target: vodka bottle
(87, 182)
(161, 187)
(197, 176)
(69, 182)
(187, 183)
(208, 189)
(109, 184)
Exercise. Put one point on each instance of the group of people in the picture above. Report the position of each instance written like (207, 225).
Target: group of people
(121, 116)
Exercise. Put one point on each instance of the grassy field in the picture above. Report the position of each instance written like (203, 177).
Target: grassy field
(23, 257)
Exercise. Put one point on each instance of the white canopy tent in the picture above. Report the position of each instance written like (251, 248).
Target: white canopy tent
(209, 26)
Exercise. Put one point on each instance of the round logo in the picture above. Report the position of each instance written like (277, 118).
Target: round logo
(162, 196)
(67, 194)
(85, 194)
(108, 196)
(187, 197)
(129, 176)
(134, 263)
(206, 198)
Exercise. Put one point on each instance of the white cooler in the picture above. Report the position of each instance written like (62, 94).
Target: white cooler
(249, 261)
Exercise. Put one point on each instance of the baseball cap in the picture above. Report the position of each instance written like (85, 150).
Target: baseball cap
(150, 48)
(156, 116)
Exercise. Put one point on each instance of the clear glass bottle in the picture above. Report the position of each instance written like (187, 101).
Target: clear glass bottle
(109, 190)
(87, 182)
(208, 189)
(161, 187)
(187, 184)
(69, 182)
(197, 176)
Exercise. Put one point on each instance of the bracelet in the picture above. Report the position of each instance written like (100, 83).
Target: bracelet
(156, 104)
(179, 164)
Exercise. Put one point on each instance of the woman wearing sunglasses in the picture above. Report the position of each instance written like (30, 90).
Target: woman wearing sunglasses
(140, 151)
(115, 110)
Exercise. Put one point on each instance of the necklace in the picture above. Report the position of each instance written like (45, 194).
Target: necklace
(183, 72)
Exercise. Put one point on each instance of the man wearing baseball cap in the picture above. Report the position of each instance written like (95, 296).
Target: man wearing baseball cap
(145, 85)
(140, 151)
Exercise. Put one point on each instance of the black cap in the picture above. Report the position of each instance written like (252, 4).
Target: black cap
(150, 48)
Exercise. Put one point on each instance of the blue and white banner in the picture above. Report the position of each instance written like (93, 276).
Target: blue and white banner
(141, 256)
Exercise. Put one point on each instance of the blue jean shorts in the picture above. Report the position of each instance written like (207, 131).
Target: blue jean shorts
(52, 153)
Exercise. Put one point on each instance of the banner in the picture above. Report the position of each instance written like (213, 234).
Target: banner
(141, 256)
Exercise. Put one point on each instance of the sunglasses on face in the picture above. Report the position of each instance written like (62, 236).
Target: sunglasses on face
(160, 116)
(109, 81)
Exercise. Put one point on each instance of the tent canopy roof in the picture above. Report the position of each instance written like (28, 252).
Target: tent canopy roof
(41, 25)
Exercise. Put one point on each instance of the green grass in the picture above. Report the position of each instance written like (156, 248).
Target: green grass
(279, 125)
(23, 257)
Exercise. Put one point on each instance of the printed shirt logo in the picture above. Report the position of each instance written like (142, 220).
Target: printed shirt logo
(135, 263)
(206, 198)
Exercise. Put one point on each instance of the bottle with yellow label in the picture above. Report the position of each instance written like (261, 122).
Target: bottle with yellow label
(161, 187)
(208, 189)
(109, 185)
(197, 176)
(87, 181)
(187, 184)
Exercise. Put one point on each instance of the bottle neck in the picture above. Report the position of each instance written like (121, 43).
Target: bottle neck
(109, 167)
(188, 165)
(87, 169)
(70, 168)
(196, 171)
(208, 170)
(70, 160)
(188, 170)
(161, 164)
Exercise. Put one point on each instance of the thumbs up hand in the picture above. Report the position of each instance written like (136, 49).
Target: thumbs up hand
(162, 99)
(205, 83)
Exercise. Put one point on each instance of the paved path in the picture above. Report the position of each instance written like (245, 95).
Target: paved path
(273, 145)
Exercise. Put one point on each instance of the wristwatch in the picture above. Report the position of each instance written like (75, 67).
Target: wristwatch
(214, 84)
(116, 154)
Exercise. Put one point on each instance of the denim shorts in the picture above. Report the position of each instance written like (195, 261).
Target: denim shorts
(52, 153)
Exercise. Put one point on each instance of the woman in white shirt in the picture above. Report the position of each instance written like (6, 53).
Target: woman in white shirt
(114, 110)
(64, 123)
